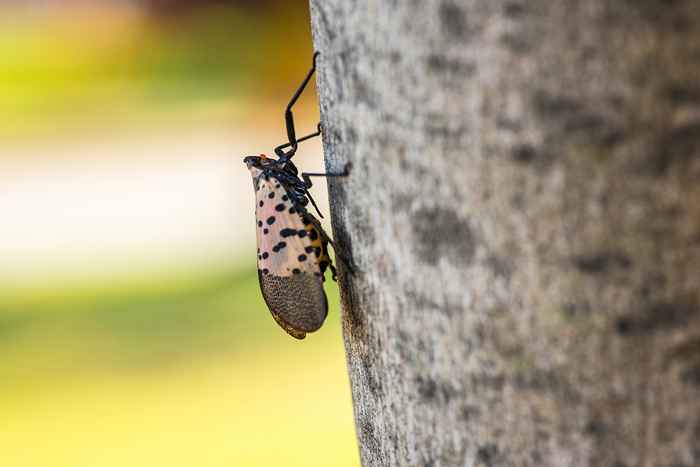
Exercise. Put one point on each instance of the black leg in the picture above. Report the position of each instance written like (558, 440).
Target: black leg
(307, 176)
(279, 150)
(289, 117)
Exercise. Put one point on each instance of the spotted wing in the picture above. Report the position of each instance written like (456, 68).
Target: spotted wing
(288, 261)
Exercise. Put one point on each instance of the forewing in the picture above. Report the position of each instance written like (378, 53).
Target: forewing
(288, 268)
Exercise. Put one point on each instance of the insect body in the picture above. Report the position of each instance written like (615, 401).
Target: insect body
(292, 245)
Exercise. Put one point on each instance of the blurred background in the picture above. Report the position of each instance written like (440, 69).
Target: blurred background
(132, 330)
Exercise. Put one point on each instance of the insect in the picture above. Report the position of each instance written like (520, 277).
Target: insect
(292, 245)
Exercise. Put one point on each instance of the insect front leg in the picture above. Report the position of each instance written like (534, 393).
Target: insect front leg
(289, 117)
(306, 176)
(279, 150)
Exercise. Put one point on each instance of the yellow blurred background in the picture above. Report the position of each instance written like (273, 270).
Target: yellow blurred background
(132, 330)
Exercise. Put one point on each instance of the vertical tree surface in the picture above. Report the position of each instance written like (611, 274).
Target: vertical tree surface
(523, 215)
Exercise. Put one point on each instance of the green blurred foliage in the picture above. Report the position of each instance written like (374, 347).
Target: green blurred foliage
(178, 369)
(103, 66)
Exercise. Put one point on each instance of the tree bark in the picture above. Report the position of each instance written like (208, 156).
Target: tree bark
(523, 216)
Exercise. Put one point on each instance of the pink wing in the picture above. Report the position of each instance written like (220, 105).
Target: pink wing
(288, 262)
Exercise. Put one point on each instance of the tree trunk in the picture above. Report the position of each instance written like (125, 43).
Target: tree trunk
(523, 216)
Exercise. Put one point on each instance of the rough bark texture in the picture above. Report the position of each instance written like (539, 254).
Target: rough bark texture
(524, 219)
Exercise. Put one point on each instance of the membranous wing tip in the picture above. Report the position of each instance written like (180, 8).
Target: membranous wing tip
(298, 302)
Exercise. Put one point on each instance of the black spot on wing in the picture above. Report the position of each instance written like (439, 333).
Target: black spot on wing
(309, 249)
(265, 255)
(271, 195)
(261, 203)
(285, 198)
(287, 232)
(277, 248)
(313, 235)
(292, 210)
(302, 257)
(266, 231)
(270, 220)
(302, 233)
(280, 207)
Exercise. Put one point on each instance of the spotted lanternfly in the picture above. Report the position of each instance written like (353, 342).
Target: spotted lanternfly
(292, 245)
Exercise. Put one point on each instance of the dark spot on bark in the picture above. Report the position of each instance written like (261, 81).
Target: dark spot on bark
(373, 384)
(500, 266)
(524, 153)
(516, 43)
(657, 317)
(550, 106)
(350, 136)
(514, 10)
(487, 454)
(453, 20)
(442, 234)
(689, 350)
(682, 93)
(368, 436)
(540, 380)
(427, 388)
(595, 428)
(469, 412)
(661, 12)
(574, 309)
(434, 391)
(602, 262)
(280, 207)
(691, 375)
(363, 91)
(505, 123)
(677, 146)
(441, 64)
(270, 220)
(324, 23)
(687, 354)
